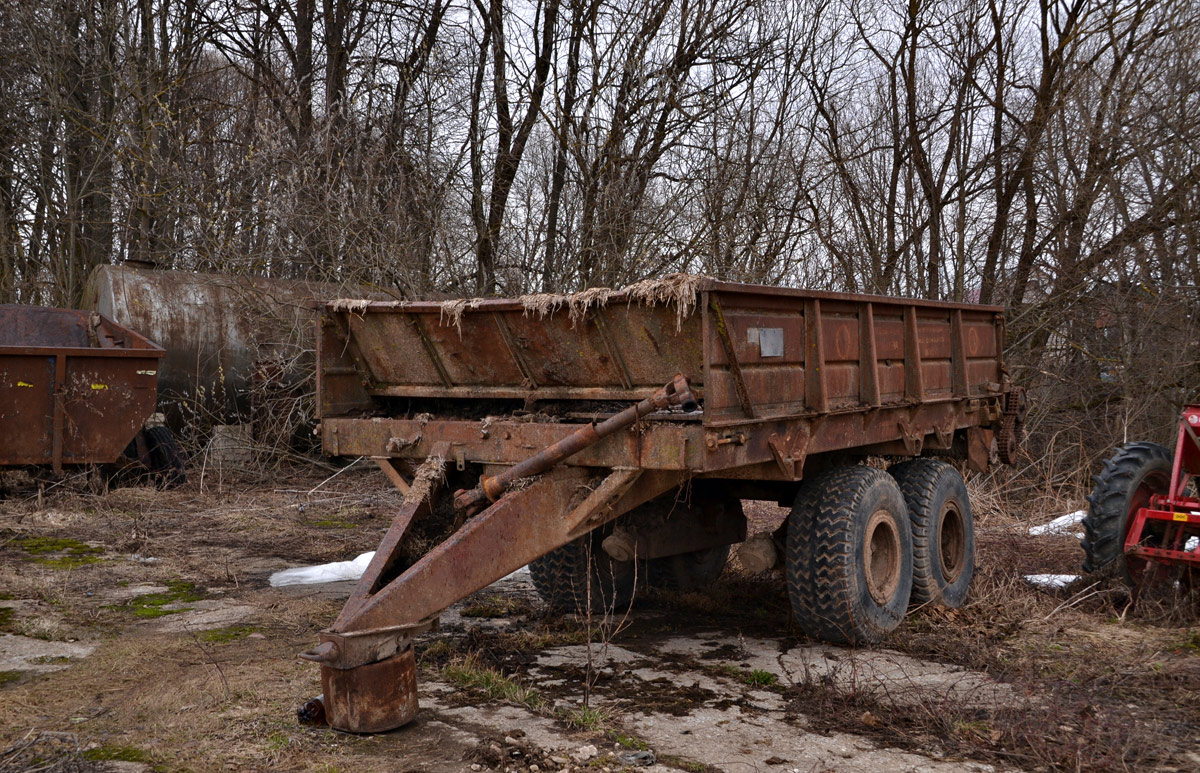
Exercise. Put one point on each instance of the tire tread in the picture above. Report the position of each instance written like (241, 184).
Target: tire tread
(1104, 525)
(820, 555)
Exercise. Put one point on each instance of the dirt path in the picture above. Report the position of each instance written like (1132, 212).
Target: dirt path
(138, 631)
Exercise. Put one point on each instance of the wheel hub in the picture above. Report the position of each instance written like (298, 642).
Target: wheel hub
(952, 542)
(882, 557)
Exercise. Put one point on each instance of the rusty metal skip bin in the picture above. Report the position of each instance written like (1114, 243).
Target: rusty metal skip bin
(75, 388)
(521, 427)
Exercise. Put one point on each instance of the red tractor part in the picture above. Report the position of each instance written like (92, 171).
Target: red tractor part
(1166, 532)
(1141, 516)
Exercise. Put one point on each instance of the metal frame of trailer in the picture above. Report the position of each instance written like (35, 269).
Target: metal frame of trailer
(525, 426)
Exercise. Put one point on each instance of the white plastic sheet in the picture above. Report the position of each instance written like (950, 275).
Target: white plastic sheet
(334, 572)
(1063, 524)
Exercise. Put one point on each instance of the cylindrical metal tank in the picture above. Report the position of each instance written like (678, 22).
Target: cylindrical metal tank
(218, 330)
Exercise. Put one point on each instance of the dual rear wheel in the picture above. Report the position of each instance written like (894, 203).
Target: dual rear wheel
(863, 545)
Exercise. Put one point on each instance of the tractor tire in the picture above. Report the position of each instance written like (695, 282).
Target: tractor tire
(166, 460)
(943, 531)
(1135, 472)
(687, 572)
(849, 555)
(561, 577)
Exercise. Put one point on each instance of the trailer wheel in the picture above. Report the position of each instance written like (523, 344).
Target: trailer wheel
(849, 555)
(943, 531)
(687, 572)
(163, 464)
(561, 577)
(1129, 478)
(166, 460)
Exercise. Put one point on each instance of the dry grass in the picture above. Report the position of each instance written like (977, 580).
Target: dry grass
(678, 290)
(453, 311)
(1092, 683)
(431, 471)
(162, 696)
(1098, 685)
(577, 304)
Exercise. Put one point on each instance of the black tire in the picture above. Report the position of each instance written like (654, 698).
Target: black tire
(1129, 478)
(561, 577)
(943, 531)
(166, 460)
(841, 591)
(687, 572)
(695, 570)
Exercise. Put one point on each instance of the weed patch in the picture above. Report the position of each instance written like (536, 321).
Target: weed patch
(496, 605)
(437, 653)
(628, 741)
(41, 545)
(59, 552)
(470, 675)
(333, 523)
(689, 765)
(152, 605)
(225, 635)
(760, 678)
(50, 660)
(115, 753)
(756, 678)
(586, 718)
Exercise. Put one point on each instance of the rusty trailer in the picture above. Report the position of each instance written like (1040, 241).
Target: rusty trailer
(607, 438)
(78, 389)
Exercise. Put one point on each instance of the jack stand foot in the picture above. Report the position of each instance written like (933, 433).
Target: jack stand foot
(372, 698)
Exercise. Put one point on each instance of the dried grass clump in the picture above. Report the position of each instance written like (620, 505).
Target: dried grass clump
(352, 305)
(678, 290)
(578, 304)
(454, 309)
(397, 444)
(432, 470)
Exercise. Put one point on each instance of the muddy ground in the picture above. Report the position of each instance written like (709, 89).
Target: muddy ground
(138, 631)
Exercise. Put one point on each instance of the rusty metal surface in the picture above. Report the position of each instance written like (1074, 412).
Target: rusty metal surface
(781, 376)
(371, 698)
(488, 547)
(754, 353)
(676, 392)
(493, 544)
(216, 328)
(662, 445)
(500, 350)
(839, 352)
(74, 387)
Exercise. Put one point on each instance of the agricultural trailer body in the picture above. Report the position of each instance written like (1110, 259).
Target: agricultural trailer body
(522, 425)
(75, 387)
